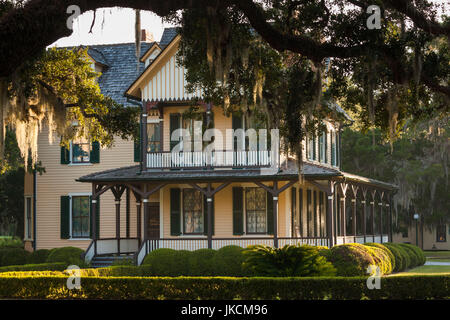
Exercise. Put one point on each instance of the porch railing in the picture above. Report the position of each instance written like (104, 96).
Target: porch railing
(192, 244)
(217, 159)
(360, 239)
(111, 246)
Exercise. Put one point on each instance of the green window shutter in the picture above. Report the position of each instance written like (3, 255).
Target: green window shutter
(65, 155)
(238, 210)
(236, 122)
(137, 150)
(97, 218)
(175, 119)
(175, 212)
(269, 213)
(205, 215)
(65, 217)
(94, 157)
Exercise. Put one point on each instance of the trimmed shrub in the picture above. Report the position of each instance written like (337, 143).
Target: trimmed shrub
(52, 285)
(56, 266)
(351, 259)
(399, 257)
(405, 254)
(415, 259)
(123, 262)
(386, 251)
(168, 262)
(381, 258)
(201, 262)
(13, 256)
(68, 255)
(418, 252)
(289, 261)
(228, 261)
(38, 256)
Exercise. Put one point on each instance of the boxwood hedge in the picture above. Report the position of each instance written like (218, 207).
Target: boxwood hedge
(51, 285)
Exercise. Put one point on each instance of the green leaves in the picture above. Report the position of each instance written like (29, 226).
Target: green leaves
(288, 261)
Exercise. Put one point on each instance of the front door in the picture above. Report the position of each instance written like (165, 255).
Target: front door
(153, 220)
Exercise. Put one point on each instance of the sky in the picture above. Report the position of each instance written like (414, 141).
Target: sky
(118, 27)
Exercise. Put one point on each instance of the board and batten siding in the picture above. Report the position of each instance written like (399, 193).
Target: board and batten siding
(59, 180)
(167, 81)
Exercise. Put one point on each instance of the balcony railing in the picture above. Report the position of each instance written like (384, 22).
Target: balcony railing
(216, 159)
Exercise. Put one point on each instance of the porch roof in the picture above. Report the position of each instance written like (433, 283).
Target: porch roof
(289, 172)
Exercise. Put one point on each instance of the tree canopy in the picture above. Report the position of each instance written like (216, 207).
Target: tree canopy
(281, 58)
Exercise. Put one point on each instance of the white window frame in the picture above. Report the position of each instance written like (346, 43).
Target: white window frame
(77, 194)
(71, 163)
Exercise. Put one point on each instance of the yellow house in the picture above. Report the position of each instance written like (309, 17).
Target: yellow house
(172, 190)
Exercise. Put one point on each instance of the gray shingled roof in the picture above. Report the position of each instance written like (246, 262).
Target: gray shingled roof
(121, 69)
(133, 174)
(309, 170)
(167, 36)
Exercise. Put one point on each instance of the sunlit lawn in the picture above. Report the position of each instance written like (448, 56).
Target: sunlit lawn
(437, 254)
(424, 270)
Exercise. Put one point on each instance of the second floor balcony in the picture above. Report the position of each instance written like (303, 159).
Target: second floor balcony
(212, 159)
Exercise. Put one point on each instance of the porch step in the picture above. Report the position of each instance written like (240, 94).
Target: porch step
(107, 261)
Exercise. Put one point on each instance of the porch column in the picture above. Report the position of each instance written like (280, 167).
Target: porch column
(117, 201)
(275, 221)
(343, 218)
(363, 203)
(143, 138)
(127, 212)
(380, 204)
(354, 216)
(372, 212)
(139, 222)
(94, 218)
(146, 213)
(330, 219)
(209, 201)
(390, 217)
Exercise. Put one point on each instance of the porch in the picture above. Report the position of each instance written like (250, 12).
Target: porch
(352, 210)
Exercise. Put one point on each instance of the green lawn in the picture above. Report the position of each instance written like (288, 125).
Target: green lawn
(440, 270)
(437, 254)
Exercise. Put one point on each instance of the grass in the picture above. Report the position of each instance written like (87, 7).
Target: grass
(424, 270)
(437, 254)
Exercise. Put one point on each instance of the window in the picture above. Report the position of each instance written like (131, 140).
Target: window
(405, 233)
(312, 148)
(154, 137)
(441, 234)
(28, 225)
(80, 151)
(333, 149)
(80, 217)
(193, 211)
(323, 148)
(255, 204)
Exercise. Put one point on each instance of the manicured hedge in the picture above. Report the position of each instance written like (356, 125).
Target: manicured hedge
(219, 288)
(39, 256)
(417, 253)
(351, 259)
(13, 256)
(228, 261)
(69, 255)
(386, 251)
(56, 266)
